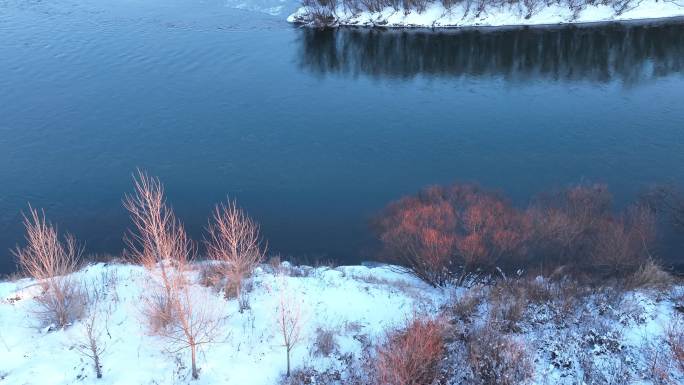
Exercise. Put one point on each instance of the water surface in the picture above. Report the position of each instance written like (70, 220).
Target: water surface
(314, 131)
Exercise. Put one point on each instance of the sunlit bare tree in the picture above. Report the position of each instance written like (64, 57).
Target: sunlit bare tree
(45, 256)
(161, 244)
(235, 243)
(50, 260)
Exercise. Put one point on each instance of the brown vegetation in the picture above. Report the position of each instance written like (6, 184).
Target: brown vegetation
(325, 342)
(675, 340)
(444, 230)
(497, 359)
(50, 261)
(445, 233)
(162, 246)
(234, 242)
(411, 356)
(91, 345)
(45, 256)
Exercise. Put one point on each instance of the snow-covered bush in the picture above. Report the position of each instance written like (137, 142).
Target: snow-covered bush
(62, 302)
(325, 342)
(465, 306)
(508, 302)
(675, 340)
(497, 359)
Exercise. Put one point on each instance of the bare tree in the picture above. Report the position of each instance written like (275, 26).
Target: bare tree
(163, 247)
(49, 260)
(159, 243)
(160, 238)
(234, 241)
(45, 255)
(195, 323)
(91, 345)
(289, 319)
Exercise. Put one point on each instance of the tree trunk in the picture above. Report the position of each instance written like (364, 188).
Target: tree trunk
(238, 294)
(288, 362)
(195, 375)
(98, 369)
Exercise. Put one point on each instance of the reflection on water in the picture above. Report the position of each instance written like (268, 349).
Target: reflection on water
(614, 52)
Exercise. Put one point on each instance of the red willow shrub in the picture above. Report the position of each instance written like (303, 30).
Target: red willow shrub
(446, 232)
(411, 356)
(578, 229)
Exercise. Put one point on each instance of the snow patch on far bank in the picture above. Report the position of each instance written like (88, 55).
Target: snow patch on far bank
(466, 15)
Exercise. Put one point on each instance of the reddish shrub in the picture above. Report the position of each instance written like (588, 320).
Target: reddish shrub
(566, 224)
(444, 229)
(419, 234)
(577, 227)
(411, 356)
(623, 243)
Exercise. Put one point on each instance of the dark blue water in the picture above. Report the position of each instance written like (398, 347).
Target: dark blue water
(314, 131)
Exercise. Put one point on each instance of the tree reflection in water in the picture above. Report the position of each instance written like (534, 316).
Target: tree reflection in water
(601, 54)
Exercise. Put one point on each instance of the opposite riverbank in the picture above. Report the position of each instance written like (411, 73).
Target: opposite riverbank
(480, 13)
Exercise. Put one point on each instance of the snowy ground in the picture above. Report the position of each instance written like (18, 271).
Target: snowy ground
(464, 14)
(357, 302)
(609, 332)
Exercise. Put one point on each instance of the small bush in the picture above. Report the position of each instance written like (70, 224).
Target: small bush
(465, 307)
(325, 343)
(50, 261)
(675, 340)
(497, 359)
(210, 276)
(411, 356)
(63, 302)
(650, 275)
(157, 309)
(508, 304)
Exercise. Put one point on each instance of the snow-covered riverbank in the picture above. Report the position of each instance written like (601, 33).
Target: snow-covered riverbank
(568, 336)
(352, 301)
(475, 13)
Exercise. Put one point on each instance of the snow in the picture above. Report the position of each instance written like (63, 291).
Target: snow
(353, 300)
(435, 15)
(359, 303)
